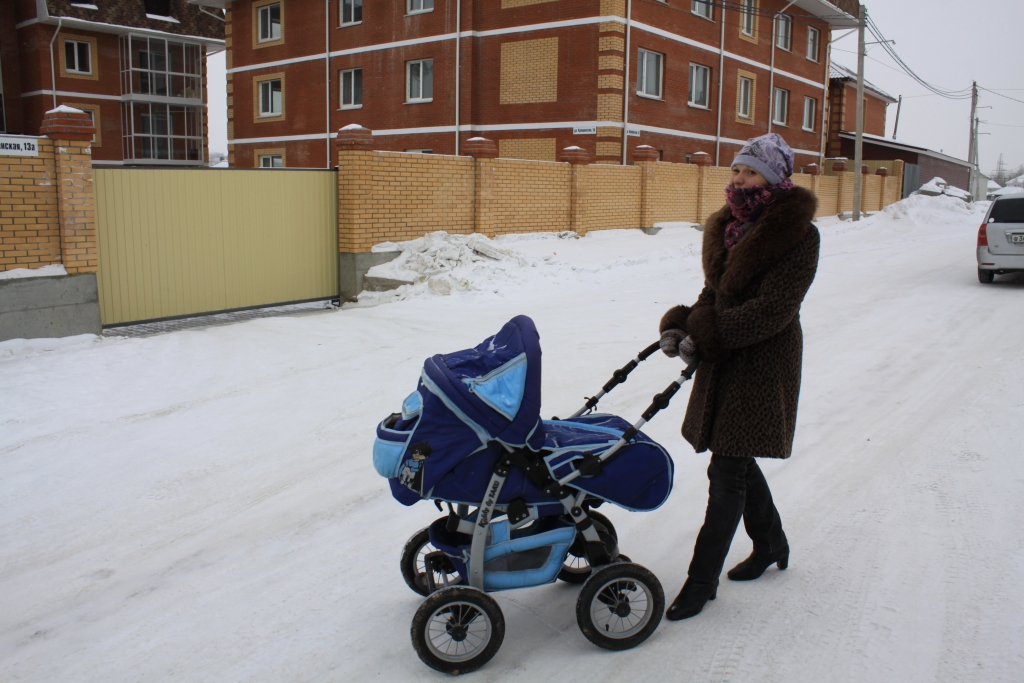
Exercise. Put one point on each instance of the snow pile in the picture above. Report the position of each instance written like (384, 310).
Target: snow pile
(45, 271)
(442, 263)
(938, 186)
(926, 210)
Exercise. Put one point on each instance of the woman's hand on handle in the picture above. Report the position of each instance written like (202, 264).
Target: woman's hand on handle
(687, 351)
(670, 340)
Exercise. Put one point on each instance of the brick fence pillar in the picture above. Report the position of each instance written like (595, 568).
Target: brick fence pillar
(354, 150)
(646, 157)
(702, 160)
(72, 131)
(814, 171)
(578, 159)
(484, 153)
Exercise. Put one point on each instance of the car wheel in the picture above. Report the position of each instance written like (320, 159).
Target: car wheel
(985, 276)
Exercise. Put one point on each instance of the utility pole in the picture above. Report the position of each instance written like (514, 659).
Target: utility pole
(899, 105)
(972, 146)
(858, 145)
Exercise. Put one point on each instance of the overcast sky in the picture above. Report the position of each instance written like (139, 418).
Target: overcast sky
(946, 43)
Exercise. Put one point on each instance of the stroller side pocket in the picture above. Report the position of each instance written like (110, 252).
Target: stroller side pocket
(389, 448)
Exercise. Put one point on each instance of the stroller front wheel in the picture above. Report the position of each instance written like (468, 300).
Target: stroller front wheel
(414, 566)
(620, 606)
(457, 630)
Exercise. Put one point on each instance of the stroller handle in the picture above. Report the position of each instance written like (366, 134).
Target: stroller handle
(618, 377)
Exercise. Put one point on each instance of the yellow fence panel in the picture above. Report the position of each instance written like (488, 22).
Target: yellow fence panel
(177, 242)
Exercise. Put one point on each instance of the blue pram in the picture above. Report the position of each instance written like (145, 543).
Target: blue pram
(520, 493)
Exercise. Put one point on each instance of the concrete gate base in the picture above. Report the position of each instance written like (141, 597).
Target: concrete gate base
(49, 306)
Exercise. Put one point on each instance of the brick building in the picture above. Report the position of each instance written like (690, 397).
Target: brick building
(682, 76)
(842, 95)
(136, 67)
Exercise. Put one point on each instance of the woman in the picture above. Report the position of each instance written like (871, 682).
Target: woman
(760, 254)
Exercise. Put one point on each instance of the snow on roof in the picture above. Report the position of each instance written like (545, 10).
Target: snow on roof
(993, 185)
(1007, 190)
(838, 72)
(1016, 182)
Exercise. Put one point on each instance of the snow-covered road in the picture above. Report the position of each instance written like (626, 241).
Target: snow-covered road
(201, 505)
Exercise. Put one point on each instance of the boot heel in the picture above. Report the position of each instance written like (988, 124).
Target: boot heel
(783, 562)
(714, 592)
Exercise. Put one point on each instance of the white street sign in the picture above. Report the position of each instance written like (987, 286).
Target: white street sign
(18, 146)
(584, 130)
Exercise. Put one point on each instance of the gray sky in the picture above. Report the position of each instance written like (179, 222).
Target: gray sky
(947, 43)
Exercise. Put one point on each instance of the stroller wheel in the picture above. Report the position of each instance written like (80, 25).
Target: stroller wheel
(414, 564)
(620, 606)
(457, 630)
(576, 568)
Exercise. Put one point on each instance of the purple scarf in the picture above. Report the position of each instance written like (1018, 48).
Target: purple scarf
(747, 205)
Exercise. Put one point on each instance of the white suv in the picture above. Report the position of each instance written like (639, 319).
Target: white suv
(1001, 238)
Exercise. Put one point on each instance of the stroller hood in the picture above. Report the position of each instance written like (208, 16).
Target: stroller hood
(465, 401)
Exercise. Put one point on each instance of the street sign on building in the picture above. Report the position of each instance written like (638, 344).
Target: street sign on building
(19, 146)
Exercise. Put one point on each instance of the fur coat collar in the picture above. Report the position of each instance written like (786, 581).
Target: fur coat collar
(783, 225)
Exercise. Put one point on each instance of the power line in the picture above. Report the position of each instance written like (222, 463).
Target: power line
(1000, 95)
(961, 94)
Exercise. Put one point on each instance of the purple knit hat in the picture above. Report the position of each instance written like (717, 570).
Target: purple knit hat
(769, 155)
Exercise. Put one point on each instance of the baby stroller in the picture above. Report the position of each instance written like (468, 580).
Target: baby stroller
(520, 494)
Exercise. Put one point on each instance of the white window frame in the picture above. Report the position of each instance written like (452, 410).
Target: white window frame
(418, 6)
(270, 26)
(641, 73)
(781, 95)
(748, 18)
(78, 46)
(269, 91)
(409, 99)
(784, 32)
(811, 108)
(271, 158)
(813, 39)
(353, 6)
(748, 114)
(353, 76)
(695, 71)
(703, 8)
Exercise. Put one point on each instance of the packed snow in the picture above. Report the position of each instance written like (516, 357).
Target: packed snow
(201, 505)
(43, 271)
(938, 186)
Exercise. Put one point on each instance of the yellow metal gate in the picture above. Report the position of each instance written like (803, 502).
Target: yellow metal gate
(183, 241)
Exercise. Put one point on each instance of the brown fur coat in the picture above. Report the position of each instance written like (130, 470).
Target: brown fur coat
(746, 327)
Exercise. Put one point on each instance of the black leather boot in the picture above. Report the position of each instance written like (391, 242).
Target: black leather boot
(691, 599)
(752, 567)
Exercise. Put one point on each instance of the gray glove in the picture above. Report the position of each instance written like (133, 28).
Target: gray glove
(670, 342)
(687, 351)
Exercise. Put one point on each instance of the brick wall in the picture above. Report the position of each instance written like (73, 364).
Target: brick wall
(611, 196)
(29, 222)
(527, 196)
(670, 192)
(828, 196)
(713, 180)
(392, 196)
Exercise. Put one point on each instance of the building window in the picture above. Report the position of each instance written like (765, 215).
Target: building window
(702, 8)
(270, 22)
(157, 132)
(700, 77)
(780, 108)
(813, 36)
(648, 73)
(166, 68)
(748, 20)
(784, 32)
(271, 161)
(351, 12)
(77, 57)
(271, 98)
(420, 6)
(745, 96)
(419, 77)
(810, 106)
(93, 112)
(352, 89)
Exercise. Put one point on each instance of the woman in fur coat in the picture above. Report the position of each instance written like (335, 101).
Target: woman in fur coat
(760, 254)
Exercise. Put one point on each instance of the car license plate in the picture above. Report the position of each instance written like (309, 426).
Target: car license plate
(1017, 239)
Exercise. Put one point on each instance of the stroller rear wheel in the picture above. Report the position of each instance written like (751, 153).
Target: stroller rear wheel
(457, 630)
(620, 606)
(576, 568)
(414, 568)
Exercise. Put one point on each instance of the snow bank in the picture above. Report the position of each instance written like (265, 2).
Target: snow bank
(938, 186)
(20, 348)
(925, 210)
(45, 271)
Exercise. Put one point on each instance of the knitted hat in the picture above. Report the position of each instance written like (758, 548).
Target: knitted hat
(769, 155)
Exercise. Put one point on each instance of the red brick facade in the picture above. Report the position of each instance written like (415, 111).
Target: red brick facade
(842, 94)
(529, 74)
(28, 89)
